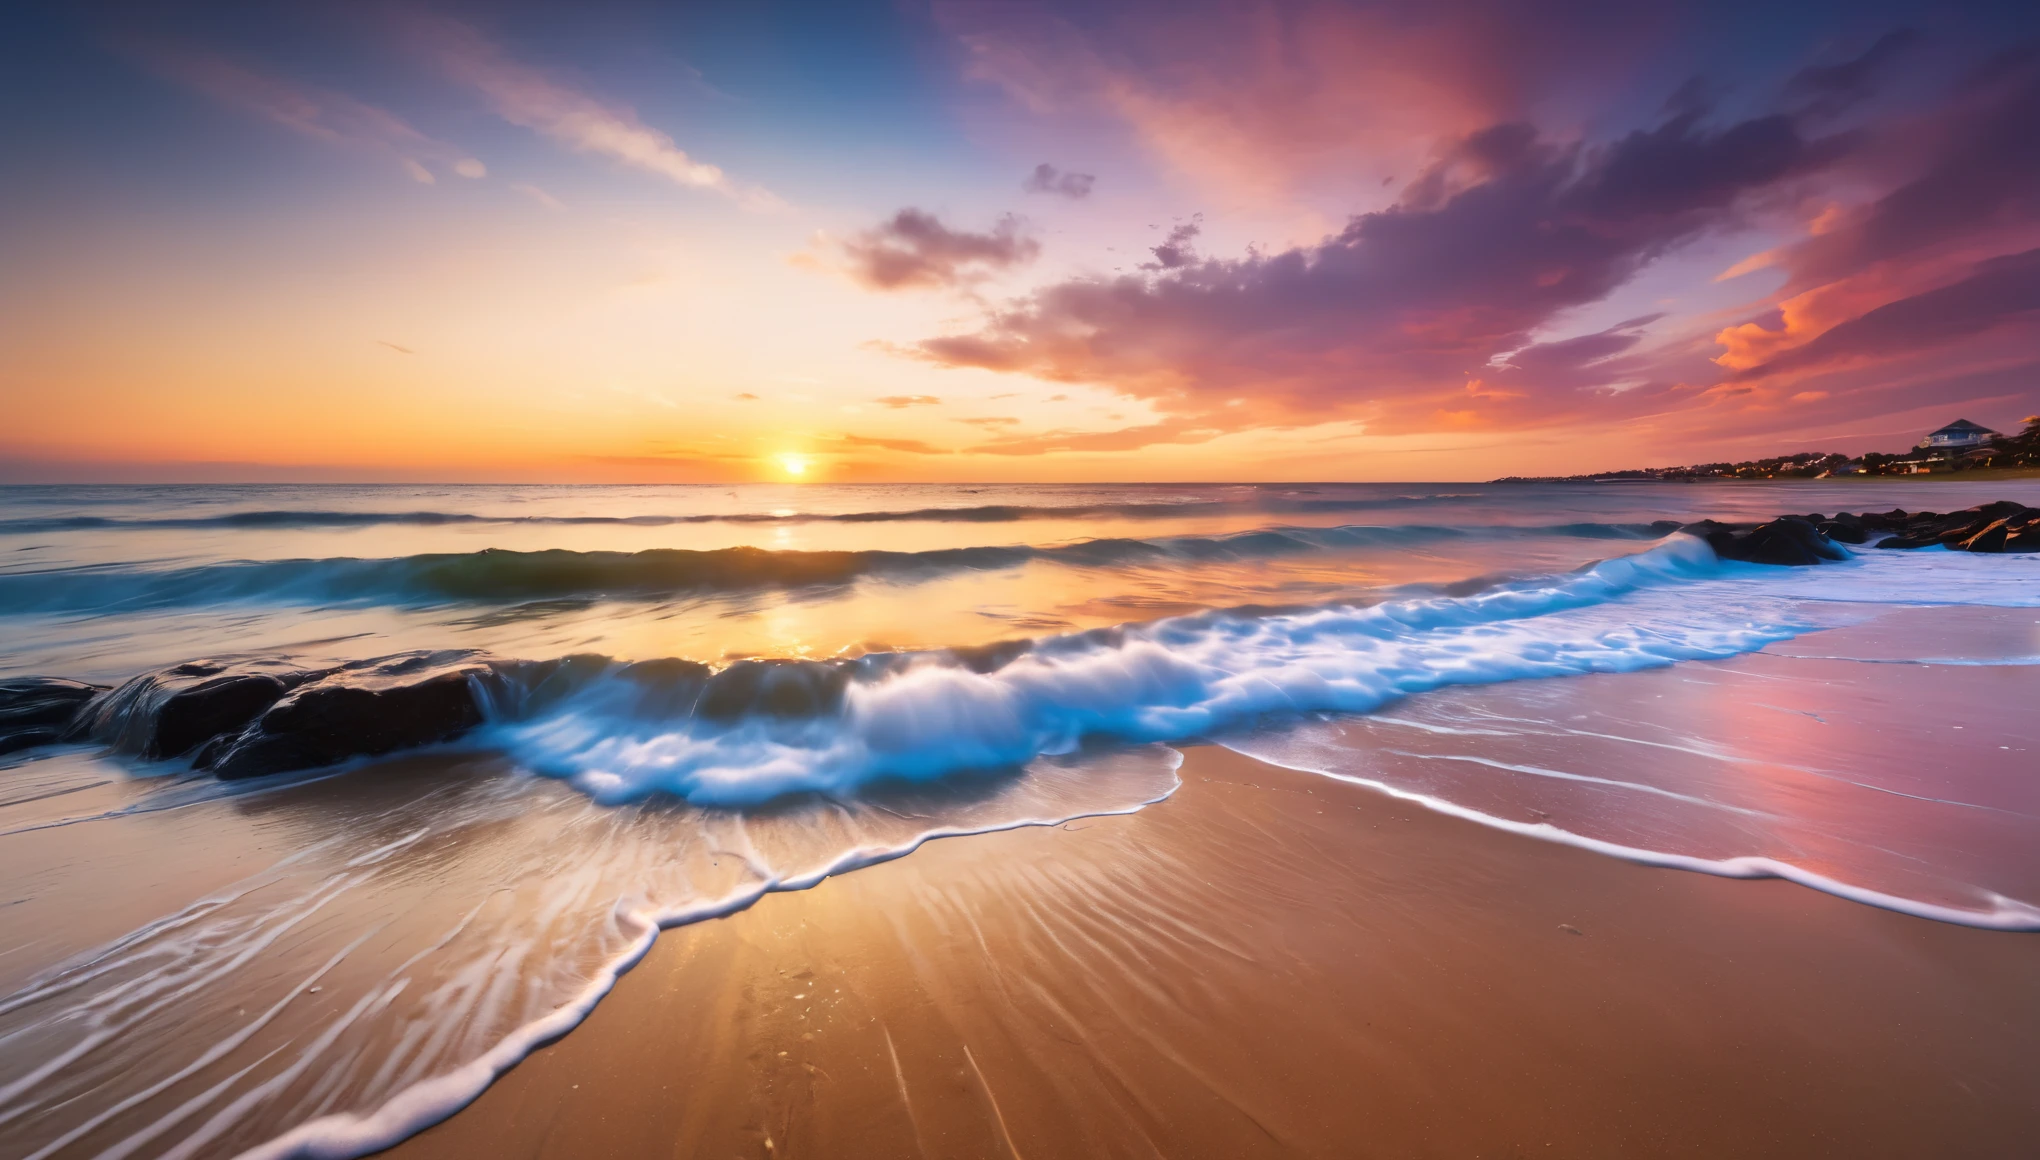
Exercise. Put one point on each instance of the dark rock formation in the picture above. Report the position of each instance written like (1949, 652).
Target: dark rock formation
(1790, 540)
(2005, 526)
(170, 712)
(1844, 528)
(39, 710)
(363, 709)
(248, 717)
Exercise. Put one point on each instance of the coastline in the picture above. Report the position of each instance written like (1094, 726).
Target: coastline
(1272, 963)
(1969, 475)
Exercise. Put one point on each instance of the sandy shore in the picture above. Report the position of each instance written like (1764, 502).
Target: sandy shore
(1271, 963)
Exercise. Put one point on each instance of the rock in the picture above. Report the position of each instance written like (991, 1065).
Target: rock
(39, 710)
(173, 711)
(364, 709)
(1990, 539)
(1844, 528)
(1788, 540)
(2004, 526)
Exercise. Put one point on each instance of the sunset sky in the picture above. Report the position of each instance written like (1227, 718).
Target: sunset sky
(905, 240)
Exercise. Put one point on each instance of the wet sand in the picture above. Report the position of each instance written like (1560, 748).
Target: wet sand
(1272, 963)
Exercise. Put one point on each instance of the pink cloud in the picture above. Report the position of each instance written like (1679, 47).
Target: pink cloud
(1910, 272)
(1255, 98)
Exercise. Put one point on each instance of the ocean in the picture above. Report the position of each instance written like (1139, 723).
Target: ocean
(702, 695)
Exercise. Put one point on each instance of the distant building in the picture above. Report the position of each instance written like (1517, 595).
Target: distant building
(1961, 435)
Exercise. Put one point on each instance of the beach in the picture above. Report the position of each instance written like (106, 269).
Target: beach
(975, 581)
(1271, 964)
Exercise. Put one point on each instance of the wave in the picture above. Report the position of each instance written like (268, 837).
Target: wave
(503, 576)
(980, 514)
(766, 729)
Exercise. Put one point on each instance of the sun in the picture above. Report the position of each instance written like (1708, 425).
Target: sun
(794, 465)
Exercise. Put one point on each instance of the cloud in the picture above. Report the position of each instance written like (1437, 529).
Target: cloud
(1893, 199)
(1123, 439)
(1394, 318)
(992, 421)
(320, 114)
(1255, 99)
(909, 446)
(898, 401)
(1047, 179)
(1941, 261)
(1178, 249)
(1981, 178)
(530, 98)
(2003, 292)
(1831, 89)
(538, 195)
(746, 396)
(913, 249)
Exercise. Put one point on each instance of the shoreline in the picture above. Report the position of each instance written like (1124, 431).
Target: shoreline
(1969, 475)
(1273, 963)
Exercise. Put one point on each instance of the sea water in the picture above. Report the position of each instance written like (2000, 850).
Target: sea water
(319, 964)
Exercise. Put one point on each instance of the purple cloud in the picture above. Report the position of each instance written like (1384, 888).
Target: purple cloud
(1400, 316)
(1047, 178)
(913, 249)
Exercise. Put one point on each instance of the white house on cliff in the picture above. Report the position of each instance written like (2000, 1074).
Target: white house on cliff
(1961, 435)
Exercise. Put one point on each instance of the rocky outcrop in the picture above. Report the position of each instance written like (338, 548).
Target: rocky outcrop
(247, 717)
(250, 717)
(38, 710)
(1789, 540)
(2005, 526)
(171, 712)
(364, 709)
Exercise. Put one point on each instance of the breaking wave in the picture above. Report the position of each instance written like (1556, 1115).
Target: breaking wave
(762, 730)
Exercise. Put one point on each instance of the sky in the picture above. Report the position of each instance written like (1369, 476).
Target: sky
(905, 240)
